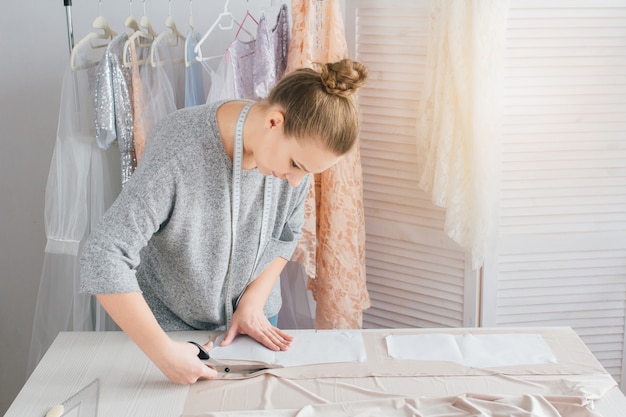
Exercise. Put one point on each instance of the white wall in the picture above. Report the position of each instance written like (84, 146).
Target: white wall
(33, 52)
(33, 55)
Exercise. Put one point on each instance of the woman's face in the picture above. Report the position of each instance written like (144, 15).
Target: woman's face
(288, 159)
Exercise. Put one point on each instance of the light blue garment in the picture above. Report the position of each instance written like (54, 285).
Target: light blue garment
(194, 83)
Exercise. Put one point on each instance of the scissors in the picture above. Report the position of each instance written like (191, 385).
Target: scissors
(247, 368)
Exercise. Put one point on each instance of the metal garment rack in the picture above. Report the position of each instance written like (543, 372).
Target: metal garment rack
(70, 26)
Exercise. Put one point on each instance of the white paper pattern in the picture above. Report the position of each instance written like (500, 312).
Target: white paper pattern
(307, 348)
(474, 350)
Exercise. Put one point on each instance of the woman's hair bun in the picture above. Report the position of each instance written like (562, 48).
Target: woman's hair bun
(343, 77)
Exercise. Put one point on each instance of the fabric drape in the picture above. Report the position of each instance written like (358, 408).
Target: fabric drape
(458, 117)
(162, 84)
(194, 80)
(332, 248)
(83, 181)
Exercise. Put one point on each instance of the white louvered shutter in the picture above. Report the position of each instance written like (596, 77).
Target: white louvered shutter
(561, 255)
(416, 275)
(561, 258)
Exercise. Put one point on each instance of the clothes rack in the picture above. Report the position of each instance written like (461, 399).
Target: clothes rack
(70, 26)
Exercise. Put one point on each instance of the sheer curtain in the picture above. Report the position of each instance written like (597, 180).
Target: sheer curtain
(459, 116)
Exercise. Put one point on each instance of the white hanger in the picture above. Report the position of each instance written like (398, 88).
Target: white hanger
(218, 22)
(173, 35)
(191, 26)
(130, 22)
(100, 23)
(193, 32)
(143, 38)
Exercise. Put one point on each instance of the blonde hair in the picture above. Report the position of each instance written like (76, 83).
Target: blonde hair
(321, 105)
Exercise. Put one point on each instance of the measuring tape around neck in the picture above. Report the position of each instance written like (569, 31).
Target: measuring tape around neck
(235, 208)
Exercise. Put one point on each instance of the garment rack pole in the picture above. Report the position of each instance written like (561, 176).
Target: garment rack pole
(70, 43)
(70, 27)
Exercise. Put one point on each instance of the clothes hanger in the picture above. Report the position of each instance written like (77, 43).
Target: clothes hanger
(226, 14)
(193, 33)
(141, 39)
(100, 23)
(173, 35)
(218, 23)
(191, 25)
(130, 21)
(248, 14)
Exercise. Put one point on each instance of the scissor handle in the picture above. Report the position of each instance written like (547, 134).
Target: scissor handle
(203, 354)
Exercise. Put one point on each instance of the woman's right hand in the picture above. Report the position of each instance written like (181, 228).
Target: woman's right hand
(177, 360)
(180, 364)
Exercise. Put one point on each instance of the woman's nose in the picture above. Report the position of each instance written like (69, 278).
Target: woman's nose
(294, 179)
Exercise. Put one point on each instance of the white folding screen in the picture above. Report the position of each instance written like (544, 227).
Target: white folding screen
(561, 254)
(561, 257)
(416, 275)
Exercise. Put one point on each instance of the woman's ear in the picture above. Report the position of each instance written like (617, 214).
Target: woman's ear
(275, 118)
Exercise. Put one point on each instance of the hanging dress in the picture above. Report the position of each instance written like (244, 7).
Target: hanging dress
(163, 89)
(259, 63)
(114, 109)
(195, 94)
(271, 48)
(139, 135)
(83, 181)
(332, 248)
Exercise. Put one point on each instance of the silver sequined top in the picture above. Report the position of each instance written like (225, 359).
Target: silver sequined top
(113, 104)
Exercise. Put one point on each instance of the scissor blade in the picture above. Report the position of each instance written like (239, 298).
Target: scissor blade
(244, 368)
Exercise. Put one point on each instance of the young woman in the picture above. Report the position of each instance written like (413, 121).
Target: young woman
(200, 233)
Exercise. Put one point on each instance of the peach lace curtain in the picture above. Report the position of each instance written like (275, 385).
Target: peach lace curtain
(459, 116)
(332, 248)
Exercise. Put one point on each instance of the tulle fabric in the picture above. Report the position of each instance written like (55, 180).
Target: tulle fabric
(83, 181)
(458, 117)
(222, 81)
(162, 83)
(332, 249)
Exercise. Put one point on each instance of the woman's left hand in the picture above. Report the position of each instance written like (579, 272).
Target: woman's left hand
(251, 321)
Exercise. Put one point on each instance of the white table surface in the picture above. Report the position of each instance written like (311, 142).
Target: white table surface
(130, 385)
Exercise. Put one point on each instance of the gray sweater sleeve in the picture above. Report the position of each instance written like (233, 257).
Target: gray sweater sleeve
(111, 253)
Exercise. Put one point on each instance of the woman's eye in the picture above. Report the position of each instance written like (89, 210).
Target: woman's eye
(293, 164)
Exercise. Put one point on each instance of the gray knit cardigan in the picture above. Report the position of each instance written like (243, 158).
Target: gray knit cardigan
(168, 234)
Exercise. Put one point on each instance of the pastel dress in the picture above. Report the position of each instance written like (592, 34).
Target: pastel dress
(258, 64)
(332, 248)
(195, 94)
(163, 83)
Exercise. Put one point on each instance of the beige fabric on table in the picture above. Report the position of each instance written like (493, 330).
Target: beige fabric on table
(457, 406)
(332, 247)
(384, 381)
